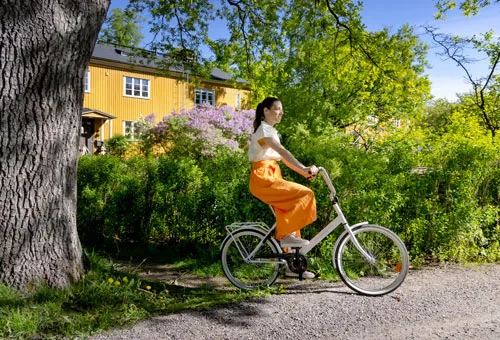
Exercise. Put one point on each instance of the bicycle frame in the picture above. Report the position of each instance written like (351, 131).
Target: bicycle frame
(339, 220)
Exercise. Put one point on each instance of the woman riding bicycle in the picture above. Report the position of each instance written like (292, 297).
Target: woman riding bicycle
(293, 204)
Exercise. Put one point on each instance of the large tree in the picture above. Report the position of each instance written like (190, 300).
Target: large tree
(315, 55)
(482, 101)
(46, 47)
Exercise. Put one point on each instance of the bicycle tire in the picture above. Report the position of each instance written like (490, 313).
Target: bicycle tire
(373, 279)
(249, 276)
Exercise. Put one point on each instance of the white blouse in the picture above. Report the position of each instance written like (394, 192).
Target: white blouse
(258, 152)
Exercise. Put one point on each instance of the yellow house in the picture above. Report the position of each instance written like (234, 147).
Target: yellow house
(120, 88)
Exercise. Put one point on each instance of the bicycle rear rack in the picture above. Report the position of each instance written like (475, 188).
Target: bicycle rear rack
(242, 225)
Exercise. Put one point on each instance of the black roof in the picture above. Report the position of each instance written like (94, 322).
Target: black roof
(127, 56)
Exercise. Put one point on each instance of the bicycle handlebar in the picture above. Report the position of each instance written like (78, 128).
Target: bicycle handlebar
(328, 181)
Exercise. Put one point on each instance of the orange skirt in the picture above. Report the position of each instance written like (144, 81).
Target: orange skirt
(293, 204)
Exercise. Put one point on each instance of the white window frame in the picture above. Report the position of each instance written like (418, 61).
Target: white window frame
(397, 123)
(130, 129)
(86, 82)
(238, 101)
(372, 120)
(136, 87)
(202, 96)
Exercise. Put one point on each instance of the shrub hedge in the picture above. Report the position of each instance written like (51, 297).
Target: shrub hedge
(447, 211)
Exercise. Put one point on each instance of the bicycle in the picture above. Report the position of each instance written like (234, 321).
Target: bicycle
(370, 259)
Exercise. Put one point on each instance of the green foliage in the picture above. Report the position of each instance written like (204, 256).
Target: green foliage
(118, 145)
(342, 84)
(114, 198)
(455, 198)
(468, 7)
(122, 27)
(436, 185)
(169, 200)
(434, 181)
(483, 98)
(104, 299)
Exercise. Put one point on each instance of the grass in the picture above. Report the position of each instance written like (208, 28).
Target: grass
(104, 299)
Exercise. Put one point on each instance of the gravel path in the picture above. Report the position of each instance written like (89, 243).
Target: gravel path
(450, 302)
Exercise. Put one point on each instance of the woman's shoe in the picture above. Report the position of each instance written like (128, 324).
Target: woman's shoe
(293, 241)
(305, 275)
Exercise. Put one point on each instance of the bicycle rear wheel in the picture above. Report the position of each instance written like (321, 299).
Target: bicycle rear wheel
(390, 265)
(249, 275)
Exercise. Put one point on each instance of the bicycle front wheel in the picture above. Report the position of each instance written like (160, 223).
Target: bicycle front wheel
(250, 274)
(381, 275)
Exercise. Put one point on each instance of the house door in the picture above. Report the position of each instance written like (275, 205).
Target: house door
(87, 137)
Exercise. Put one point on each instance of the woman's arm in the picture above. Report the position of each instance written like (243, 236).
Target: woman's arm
(290, 160)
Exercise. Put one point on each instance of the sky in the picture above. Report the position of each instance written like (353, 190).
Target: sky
(446, 77)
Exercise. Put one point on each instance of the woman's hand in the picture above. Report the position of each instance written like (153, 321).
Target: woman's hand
(312, 172)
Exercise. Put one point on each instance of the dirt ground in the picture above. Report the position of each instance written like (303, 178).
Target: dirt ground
(439, 302)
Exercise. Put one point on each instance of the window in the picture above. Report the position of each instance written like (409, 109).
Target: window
(372, 120)
(86, 83)
(238, 101)
(136, 87)
(203, 96)
(131, 129)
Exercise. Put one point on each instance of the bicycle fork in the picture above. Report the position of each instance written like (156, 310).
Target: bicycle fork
(350, 229)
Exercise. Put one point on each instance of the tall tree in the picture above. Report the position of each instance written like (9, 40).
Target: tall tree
(345, 75)
(122, 27)
(484, 96)
(303, 47)
(46, 48)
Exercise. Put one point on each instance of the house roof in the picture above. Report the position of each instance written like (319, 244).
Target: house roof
(127, 56)
(89, 113)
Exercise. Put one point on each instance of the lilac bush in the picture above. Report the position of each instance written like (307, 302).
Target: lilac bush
(203, 130)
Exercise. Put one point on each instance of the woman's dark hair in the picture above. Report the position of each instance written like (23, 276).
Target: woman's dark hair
(259, 111)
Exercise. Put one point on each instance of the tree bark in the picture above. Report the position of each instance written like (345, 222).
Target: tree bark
(45, 49)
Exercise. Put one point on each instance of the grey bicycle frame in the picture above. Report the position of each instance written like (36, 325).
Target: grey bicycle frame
(339, 220)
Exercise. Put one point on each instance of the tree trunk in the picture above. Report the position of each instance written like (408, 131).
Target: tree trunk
(45, 49)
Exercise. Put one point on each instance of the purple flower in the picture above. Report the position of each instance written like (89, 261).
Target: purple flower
(208, 128)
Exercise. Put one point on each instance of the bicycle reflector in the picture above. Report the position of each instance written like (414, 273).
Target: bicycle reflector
(399, 266)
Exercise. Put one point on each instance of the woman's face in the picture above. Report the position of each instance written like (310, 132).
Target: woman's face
(273, 115)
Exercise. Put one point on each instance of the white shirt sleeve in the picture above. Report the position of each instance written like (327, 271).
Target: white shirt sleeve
(258, 152)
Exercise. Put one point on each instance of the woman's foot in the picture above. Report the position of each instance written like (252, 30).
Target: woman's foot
(305, 275)
(293, 241)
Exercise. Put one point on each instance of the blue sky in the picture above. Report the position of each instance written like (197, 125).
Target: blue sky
(447, 79)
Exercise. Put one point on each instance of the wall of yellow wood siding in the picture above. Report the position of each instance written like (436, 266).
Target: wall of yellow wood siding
(166, 95)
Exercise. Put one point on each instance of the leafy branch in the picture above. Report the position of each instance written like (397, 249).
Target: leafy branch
(454, 49)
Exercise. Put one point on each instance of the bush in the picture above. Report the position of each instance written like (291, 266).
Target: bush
(447, 211)
(114, 198)
(118, 145)
(170, 200)
(200, 132)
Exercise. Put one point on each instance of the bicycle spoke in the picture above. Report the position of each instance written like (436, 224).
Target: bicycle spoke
(385, 274)
(248, 275)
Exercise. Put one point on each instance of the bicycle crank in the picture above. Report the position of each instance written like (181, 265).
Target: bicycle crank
(297, 263)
